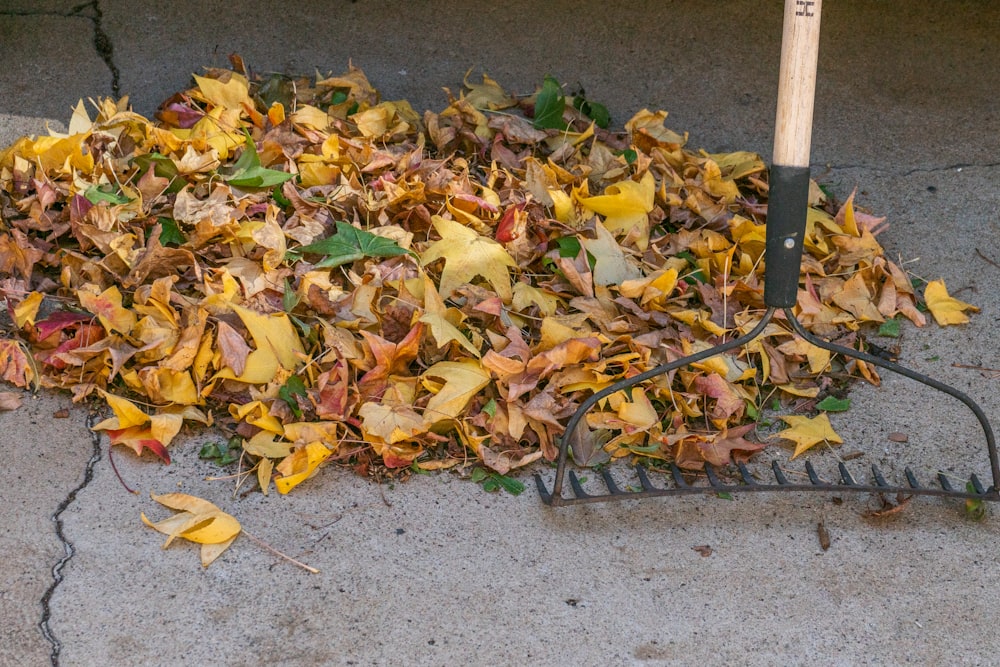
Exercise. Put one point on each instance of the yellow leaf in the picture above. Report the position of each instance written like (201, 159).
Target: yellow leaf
(256, 414)
(126, 413)
(525, 295)
(267, 445)
(233, 94)
(806, 432)
(277, 346)
(108, 307)
(626, 206)
(198, 521)
(946, 309)
(463, 380)
(436, 316)
(25, 312)
(390, 423)
(300, 465)
(467, 254)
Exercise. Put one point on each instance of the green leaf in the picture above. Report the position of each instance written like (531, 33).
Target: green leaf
(490, 408)
(289, 392)
(889, 328)
(222, 453)
(350, 244)
(834, 404)
(550, 103)
(289, 299)
(247, 172)
(975, 509)
(95, 195)
(630, 155)
(170, 232)
(279, 197)
(596, 112)
(163, 167)
(479, 474)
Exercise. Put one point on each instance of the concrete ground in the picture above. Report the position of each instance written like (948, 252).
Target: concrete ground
(438, 572)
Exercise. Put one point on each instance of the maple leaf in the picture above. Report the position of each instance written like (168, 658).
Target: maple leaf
(468, 254)
(197, 521)
(436, 316)
(350, 244)
(462, 380)
(806, 432)
(626, 207)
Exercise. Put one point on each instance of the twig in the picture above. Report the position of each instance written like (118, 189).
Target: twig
(987, 259)
(268, 547)
(995, 372)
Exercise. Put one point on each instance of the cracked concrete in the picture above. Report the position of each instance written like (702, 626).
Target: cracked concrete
(438, 572)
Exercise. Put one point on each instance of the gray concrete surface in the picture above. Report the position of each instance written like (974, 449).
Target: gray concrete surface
(438, 572)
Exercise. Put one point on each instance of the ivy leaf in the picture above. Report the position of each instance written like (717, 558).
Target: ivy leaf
(247, 172)
(350, 244)
(550, 103)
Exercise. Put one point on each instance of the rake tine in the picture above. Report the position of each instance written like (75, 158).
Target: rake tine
(879, 479)
(543, 491)
(976, 484)
(911, 479)
(845, 475)
(713, 480)
(745, 474)
(675, 472)
(644, 479)
(813, 477)
(577, 488)
(778, 475)
(609, 481)
(945, 484)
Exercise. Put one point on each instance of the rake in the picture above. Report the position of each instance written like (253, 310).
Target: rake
(786, 226)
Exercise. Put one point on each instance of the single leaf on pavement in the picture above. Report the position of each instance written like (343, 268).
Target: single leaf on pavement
(806, 432)
(197, 521)
(946, 309)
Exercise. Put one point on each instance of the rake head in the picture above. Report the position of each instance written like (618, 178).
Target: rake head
(742, 480)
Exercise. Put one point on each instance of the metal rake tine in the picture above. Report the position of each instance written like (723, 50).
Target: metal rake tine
(713, 479)
(813, 477)
(644, 479)
(976, 484)
(675, 472)
(778, 475)
(745, 474)
(543, 491)
(577, 487)
(845, 475)
(879, 478)
(609, 481)
(943, 481)
(911, 479)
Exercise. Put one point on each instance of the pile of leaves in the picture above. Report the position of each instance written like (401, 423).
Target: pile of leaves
(333, 276)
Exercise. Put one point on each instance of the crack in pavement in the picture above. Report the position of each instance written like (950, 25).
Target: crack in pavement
(102, 42)
(68, 549)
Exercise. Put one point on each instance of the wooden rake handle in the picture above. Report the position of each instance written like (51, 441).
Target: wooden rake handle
(788, 201)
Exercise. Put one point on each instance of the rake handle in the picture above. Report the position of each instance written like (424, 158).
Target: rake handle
(788, 200)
